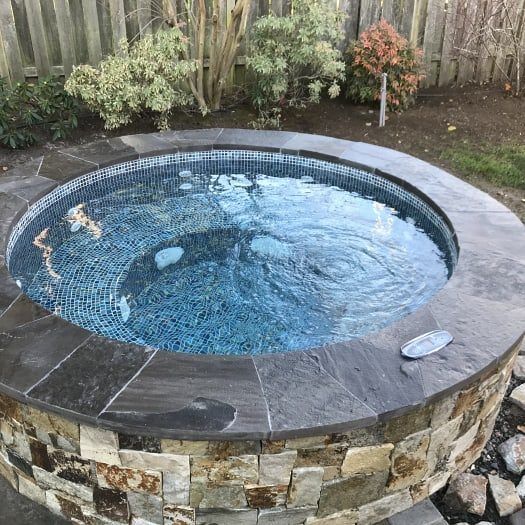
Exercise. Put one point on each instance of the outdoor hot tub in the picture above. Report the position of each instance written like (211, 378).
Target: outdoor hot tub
(205, 327)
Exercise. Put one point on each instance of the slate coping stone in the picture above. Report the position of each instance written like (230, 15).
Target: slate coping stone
(338, 387)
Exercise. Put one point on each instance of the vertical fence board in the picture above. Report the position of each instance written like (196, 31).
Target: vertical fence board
(9, 37)
(51, 32)
(118, 22)
(350, 9)
(415, 36)
(65, 34)
(92, 31)
(38, 39)
(449, 55)
(131, 20)
(370, 13)
(433, 39)
(4, 67)
(78, 31)
(144, 15)
(467, 16)
(22, 31)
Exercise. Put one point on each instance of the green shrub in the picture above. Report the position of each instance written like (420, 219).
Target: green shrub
(146, 76)
(294, 58)
(381, 49)
(27, 105)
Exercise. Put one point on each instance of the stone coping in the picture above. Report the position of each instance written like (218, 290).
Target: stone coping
(52, 364)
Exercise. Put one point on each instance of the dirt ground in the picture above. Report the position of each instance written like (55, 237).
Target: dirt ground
(481, 114)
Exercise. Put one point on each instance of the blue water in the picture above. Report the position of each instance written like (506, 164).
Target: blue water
(263, 264)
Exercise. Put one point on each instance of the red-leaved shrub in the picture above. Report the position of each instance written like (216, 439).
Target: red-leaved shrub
(381, 49)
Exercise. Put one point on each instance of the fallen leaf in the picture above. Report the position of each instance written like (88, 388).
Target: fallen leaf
(451, 128)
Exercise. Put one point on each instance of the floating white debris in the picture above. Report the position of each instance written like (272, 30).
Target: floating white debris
(125, 310)
(75, 226)
(18, 283)
(186, 174)
(73, 211)
(307, 178)
(186, 186)
(168, 256)
(270, 247)
(224, 181)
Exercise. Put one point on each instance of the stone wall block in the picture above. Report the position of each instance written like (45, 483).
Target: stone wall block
(53, 429)
(7, 472)
(360, 437)
(111, 503)
(127, 479)
(99, 445)
(28, 488)
(71, 467)
(226, 517)
(399, 428)
(440, 445)
(51, 481)
(176, 446)
(425, 488)
(65, 506)
(152, 461)
(273, 447)
(276, 469)
(366, 460)
(178, 515)
(351, 493)
(345, 517)
(442, 411)
(176, 487)
(20, 445)
(225, 449)
(284, 516)
(209, 495)
(383, 508)
(305, 487)
(327, 456)
(409, 461)
(234, 468)
(265, 496)
(6, 432)
(146, 506)
(307, 442)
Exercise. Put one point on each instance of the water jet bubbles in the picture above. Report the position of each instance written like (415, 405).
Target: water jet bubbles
(186, 186)
(270, 247)
(125, 310)
(185, 174)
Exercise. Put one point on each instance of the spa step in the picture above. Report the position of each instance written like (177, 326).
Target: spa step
(424, 513)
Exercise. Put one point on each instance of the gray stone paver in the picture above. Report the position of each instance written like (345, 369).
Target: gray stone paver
(423, 513)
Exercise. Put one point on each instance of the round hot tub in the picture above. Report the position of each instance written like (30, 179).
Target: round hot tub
(231, 252)
(205, 327)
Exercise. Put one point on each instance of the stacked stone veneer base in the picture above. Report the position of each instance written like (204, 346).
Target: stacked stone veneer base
(96, 476)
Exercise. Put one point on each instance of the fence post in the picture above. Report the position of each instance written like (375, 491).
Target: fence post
(382, 109)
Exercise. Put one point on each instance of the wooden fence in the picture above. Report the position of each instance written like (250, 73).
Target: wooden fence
(38, 37)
